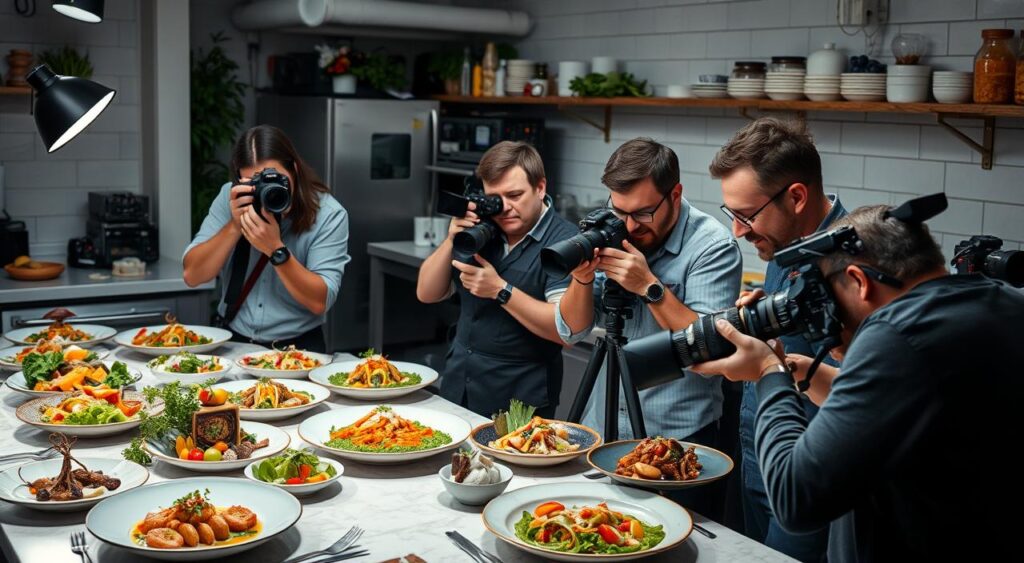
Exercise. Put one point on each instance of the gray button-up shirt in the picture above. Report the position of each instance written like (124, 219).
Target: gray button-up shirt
(270, 312)
(701, 265)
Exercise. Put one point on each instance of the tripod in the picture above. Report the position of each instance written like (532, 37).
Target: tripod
(617, 306)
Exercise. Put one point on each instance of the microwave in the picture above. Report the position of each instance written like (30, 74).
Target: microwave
(462, 141)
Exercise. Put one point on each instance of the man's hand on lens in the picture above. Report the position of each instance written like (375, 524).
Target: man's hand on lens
(264, 236)
(584, 273)
(748, 298)
(750, 360)
(628, 267)
(241, 199)
(459, 224)
(483, 282)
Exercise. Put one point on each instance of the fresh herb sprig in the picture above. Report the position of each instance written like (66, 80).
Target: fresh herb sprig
(180, 403)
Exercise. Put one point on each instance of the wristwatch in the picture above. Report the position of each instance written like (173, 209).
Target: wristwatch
(655, 292)
(505, 294)
(280, 256)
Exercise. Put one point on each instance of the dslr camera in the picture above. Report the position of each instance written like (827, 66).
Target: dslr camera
(270, 191)
(982, 254)
(599, 229)
(470, 241)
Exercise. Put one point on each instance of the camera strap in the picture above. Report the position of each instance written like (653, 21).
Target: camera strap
(237, 290)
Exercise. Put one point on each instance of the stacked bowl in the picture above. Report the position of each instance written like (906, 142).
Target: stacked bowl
(822, 88)
(520, 71)
(952, 86)
(907, 83)
(862, 86)
(711, 86)
(746, 88)
(785, 84)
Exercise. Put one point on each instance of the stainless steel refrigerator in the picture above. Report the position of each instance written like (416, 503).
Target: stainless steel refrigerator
(373, 154)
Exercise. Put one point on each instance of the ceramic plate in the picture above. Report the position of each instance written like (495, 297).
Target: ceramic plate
(17, 383)
(217, 335)
(281, 373)
(319, 395)
(306, 488)
(322, 376)
(30, 412)
(279, 440)
(13, 489)
(501, 514)
(161, 373)
(112, 519)
(316, 430)
(606, 458)
(578, 434)
(15, 350)
(99, 333)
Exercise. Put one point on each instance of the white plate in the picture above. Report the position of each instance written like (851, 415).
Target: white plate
(319, 393)
(163, 376)
(864, 97)
(501, 514)
(279, 440)
(218, 335)
(16, 382)
(826, 97)
(13, 490)
(306, 488)
(785, 96)
(281, 373)
(29, 414)
(714, 94)
(587, 438)
(15, 350)
(322, 376)
(316, 431)
(99, 334)
(113, 519)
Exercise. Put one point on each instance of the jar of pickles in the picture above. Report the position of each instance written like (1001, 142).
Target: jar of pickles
(994, 67)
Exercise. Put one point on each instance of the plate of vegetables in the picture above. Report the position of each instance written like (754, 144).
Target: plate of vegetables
(188, 367)
(80, 334)
(587, 521)
(258, 441)
(267, 400)
(47, 374)
(11, 358)
(160, 340)
(87, 413)
(373, 378)
(282, 364)
(519, 437)
(300, 472)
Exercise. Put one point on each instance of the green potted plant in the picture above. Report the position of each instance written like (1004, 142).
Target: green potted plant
(217, 113)
(66, 61)
(447, 67)
(381, 71)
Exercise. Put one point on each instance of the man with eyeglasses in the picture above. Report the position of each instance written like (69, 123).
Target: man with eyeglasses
(680, 262)
(773, 194)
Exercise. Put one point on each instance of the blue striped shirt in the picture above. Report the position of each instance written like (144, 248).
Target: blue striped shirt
(701, 264)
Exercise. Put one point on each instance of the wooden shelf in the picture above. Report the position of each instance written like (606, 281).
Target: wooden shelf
(15, 90)
(985, 112)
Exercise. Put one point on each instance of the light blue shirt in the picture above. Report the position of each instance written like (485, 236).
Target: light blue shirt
(701, 265)
(269, 312)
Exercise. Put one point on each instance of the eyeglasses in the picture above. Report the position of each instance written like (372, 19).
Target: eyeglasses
(638, 216)
(871, 273)
(749, 221)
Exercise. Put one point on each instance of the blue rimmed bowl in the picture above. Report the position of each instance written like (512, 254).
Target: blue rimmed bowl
(587, 438)
(606, 458)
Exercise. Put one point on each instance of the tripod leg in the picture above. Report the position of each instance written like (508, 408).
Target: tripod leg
(586, 387)
(611, 398)
(636, 414)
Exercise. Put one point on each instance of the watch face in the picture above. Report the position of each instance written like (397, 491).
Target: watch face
(655, 292)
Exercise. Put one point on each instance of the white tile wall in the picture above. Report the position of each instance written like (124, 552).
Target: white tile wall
(50, 191)
(867, 158)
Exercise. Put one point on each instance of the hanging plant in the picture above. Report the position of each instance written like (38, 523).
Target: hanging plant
(66, 61)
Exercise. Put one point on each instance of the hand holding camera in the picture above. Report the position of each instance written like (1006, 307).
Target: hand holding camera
(459, 224)
(628, 267)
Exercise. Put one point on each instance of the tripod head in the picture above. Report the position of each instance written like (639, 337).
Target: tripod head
(617, 304)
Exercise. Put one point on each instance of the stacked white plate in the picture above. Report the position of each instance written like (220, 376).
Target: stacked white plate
(784, 85)
(862, 86)
(520, 71)
(907, 83)
(952, 86)
(709, 90)
(746, 88)
(822, 88)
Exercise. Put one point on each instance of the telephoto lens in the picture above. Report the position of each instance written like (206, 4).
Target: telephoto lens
(472, 240)
(982, 254)
(270, 191)
(599, 229)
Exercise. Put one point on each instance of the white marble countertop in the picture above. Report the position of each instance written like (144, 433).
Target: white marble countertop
(403, 509)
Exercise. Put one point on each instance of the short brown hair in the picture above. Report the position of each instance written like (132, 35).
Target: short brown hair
(638, 159)
(902, 250)
(780, 152)
(506, 155)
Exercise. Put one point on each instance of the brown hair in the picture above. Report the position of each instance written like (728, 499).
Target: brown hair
(264, 142)
(638, 159)
(902, 250)
(506, 155)
(780, 152)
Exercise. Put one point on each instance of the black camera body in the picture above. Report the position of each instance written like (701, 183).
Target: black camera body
(271, 191)
(601, 228)
(472, 240)
(982, 254)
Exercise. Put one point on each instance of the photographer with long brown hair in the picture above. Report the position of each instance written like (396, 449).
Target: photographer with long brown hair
(306, 244)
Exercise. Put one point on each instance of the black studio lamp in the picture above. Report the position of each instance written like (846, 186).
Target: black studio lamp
(65, 105)
(90, 11)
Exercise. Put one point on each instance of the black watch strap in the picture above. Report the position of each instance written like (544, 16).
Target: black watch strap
(280, 256)
(505, 294)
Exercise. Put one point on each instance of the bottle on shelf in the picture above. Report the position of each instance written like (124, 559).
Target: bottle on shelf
(499, 78)
(466, 79)
(478, 78)
(490, 70)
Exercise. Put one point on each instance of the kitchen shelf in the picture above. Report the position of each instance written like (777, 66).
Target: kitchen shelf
(15, 90)
(984, 112)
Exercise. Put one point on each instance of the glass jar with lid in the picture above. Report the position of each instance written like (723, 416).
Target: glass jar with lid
(994, 67)
(748, 70)
(788, 64)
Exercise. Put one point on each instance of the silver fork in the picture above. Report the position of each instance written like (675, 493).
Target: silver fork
(79, 546)
(471, 548)
(342, 544)
(43, 452)
(26, 457)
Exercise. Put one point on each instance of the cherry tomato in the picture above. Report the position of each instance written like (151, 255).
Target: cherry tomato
(624, 526)
(295, 481)
(196, 454)
(609, 534)
(544, 535)
(205, 395)
(304, 471)
(660, 450)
